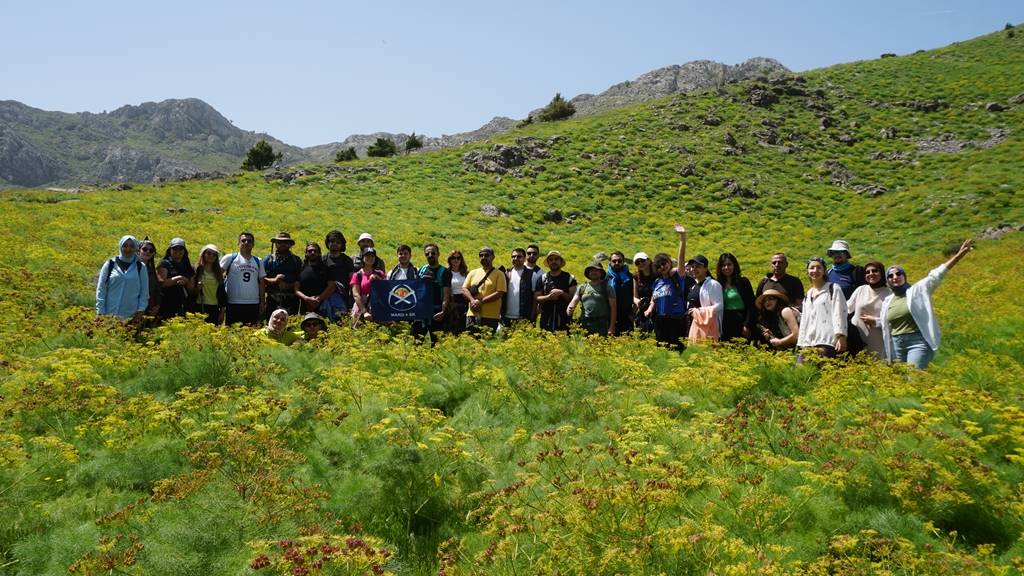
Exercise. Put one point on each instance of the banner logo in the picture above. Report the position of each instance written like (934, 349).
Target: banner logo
(402, 298)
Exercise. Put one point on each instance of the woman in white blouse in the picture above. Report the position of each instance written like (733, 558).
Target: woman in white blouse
(823, 321)
(865, 306)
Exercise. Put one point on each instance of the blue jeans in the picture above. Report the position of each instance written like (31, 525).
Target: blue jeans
(912, 349)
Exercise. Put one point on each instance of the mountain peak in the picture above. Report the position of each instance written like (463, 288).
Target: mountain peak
(178, 118)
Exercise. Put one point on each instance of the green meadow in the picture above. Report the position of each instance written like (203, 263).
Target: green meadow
(190, 449)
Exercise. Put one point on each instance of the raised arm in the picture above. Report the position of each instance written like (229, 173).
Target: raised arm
(966, 247)
(681, 262)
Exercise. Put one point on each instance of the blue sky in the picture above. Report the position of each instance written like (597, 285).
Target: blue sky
(312, 72)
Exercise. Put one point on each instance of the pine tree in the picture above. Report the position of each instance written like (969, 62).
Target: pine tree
(346, 155)
(413, 143)
(557, 109)
(260, 156)
(381, 148)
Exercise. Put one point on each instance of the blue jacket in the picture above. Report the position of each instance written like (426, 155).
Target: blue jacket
(122, 293)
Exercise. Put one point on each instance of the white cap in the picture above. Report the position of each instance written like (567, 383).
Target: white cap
(641, 256)
(838, 246)
(364, 236)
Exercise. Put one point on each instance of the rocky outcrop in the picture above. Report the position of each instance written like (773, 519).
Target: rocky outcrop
(23, 164)
(507, 159)
(675, 79)
(326, 152)
(151, 142)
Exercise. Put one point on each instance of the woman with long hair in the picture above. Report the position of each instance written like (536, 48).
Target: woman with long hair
(211, 299)
(456, 319)
(740, 315)
(778, 323)
(823, 321)
(643, 287)
(147, 255)
(910, 329)
(175, 277)
(865, 307)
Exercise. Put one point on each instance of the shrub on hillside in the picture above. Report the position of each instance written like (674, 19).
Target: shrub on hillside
(381, 148)
(413, 143)
(346, 155)
(557, 109)
(260, 156)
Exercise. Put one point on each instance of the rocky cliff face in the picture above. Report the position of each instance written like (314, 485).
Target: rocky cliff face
(181, 138)
(145, 143)
(676, 79)
(666, 81)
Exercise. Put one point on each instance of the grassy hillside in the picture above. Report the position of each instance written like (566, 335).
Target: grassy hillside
(195, 450)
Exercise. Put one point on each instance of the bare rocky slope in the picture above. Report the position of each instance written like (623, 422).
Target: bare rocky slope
(179, 139)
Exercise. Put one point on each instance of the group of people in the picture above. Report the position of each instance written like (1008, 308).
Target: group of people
(847, 308)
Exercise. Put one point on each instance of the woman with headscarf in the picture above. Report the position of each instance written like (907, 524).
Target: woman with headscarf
(211, 299)
(175, 277)
(910, 329)
(123, 286)
(277, 328)
(865, 307)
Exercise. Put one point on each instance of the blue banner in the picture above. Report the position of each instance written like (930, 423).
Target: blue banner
(402, 300)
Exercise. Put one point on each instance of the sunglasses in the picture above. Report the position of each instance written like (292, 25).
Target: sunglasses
(245, 240)
(895, 274)
(146, 249)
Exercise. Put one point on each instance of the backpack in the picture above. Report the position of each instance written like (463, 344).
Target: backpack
(110, 268)
(231, 260)
(227, 269)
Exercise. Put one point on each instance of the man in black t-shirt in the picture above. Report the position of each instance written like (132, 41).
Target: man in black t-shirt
(442, 278)
(339, 266)
(283, 270)
(778, 278)
(557, 288)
